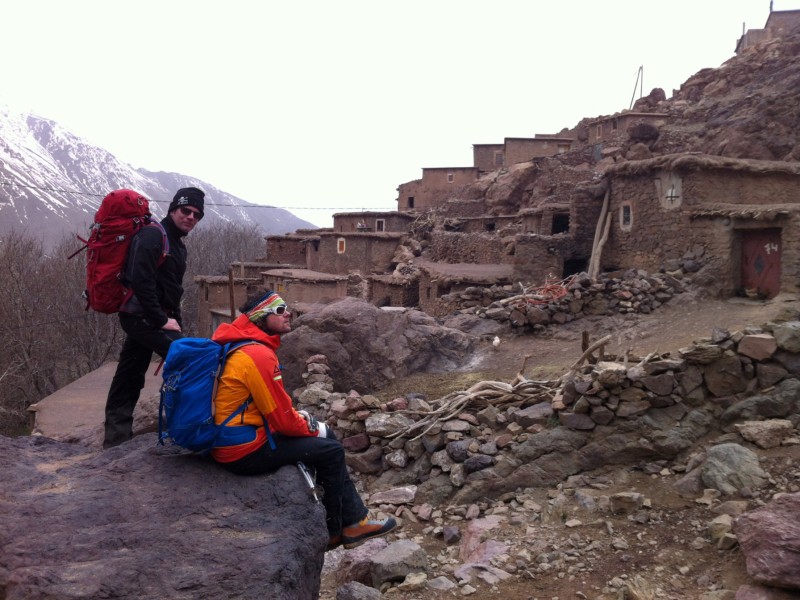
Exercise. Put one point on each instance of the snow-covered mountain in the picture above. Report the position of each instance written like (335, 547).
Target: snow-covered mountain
(52, 182)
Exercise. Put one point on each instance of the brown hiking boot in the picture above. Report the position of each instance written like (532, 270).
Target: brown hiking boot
(334, 542)
(355, 535)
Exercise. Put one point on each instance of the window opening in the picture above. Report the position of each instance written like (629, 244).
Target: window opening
(340, 245)
(380, 224)
(625, 217)
(560, 223)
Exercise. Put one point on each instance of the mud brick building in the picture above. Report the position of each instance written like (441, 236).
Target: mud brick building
(737, 216)
(437, 185)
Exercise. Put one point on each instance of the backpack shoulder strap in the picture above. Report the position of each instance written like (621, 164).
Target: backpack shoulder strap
(227, 350)
(164, 238)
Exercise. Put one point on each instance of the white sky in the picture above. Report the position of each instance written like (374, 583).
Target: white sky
(324, 106)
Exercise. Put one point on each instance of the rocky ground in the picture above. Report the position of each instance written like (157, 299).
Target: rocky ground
(582, 538)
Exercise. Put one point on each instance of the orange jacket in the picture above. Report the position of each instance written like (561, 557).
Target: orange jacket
(253, 371)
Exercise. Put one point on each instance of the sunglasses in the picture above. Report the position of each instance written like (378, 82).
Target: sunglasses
(280, 309)
(188, 211)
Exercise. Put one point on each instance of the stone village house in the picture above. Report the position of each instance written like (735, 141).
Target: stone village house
(735, 218)
(731, 220)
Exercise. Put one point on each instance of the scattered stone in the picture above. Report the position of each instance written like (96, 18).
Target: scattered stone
(766, 434)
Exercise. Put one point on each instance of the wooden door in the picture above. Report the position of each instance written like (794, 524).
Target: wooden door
(761, 262)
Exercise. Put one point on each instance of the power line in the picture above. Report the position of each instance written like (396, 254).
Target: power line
(93, 195)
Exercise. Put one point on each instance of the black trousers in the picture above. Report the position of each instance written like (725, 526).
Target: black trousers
(343, 505)
(141, 341)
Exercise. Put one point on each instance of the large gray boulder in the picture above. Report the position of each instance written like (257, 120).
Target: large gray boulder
(368, 347)
(730, 468)
(144, 522)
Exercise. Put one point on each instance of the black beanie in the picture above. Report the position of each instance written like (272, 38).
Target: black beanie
(190, 196)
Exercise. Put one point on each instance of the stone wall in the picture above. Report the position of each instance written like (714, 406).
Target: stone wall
(462, 208)
(536, 256)
(365, 252)
(488, 223)
(628, 292)
(213, 293)
(286, 249)
(488, 157)
(519, 150)
(663, 229)
(375, 221)
(436, 186)
(500, 436)
(388, 291)
(321, 289)
(478, 248)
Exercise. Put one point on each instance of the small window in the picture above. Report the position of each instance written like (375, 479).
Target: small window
(489, 226)
(599, 131)
(562, 148)
(340, 245)
(411, 202)
(450, 178)
(380, 224)
(614, 125)
(498, 159)
(626, 217)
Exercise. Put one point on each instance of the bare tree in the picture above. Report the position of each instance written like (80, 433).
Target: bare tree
(211, 251)
(49, 339)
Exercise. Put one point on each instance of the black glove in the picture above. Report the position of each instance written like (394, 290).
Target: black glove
(313, 424)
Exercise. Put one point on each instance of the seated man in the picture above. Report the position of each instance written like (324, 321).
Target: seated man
(271, 433)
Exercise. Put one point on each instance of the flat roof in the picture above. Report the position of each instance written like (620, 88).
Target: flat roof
(305, 274)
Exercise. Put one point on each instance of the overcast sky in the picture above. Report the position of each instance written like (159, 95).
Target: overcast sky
(325, 106)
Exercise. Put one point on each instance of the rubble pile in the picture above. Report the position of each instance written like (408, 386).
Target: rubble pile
(632, 291)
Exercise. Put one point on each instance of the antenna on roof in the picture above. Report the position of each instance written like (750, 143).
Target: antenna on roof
(640, 83)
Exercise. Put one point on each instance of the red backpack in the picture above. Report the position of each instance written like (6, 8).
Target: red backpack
(122, 213)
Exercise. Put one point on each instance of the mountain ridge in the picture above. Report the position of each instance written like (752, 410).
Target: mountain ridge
(52, 182)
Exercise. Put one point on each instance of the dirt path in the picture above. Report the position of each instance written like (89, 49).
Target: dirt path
(676, 325)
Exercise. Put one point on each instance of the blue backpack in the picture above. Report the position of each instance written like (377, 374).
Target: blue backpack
(191, 374)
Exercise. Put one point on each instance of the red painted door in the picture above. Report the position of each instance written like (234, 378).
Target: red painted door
(761, 262)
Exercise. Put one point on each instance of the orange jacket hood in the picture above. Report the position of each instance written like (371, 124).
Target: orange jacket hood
(243, 329)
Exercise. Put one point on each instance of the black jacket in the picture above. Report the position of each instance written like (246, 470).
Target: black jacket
(157, 288)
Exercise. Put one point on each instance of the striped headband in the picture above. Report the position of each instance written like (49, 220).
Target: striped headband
(265, 307)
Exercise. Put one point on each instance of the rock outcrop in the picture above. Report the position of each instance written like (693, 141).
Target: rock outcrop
(368, 347)
(769, 539)
(146, 522)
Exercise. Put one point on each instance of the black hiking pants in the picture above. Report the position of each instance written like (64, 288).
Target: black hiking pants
(141, 341)
(343, 505)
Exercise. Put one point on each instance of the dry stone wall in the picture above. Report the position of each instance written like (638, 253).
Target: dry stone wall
(478, 248)
(496, 437)
(628, 292)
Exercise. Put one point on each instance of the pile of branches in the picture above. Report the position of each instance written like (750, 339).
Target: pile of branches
(521, 392)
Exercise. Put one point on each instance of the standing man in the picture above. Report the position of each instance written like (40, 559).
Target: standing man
(151, 317)
(271, 433)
